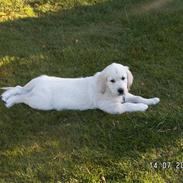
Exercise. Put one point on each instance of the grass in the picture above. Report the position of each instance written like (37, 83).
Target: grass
(79, 38)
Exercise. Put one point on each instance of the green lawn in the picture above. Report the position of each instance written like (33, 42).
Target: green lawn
(73, 38)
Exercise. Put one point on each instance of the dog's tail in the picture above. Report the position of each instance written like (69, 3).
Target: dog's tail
(18, 89)
(6, 88)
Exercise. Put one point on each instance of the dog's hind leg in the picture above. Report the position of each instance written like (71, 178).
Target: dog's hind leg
(19, 90)
(15, 99)
(30, 99)
(10, 92)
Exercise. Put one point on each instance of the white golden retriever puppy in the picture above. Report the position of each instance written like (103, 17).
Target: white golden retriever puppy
(107, 90)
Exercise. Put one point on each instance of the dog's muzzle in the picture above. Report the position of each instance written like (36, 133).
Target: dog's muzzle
(120, 91)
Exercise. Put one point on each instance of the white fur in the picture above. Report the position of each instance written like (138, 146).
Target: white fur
(98, 91)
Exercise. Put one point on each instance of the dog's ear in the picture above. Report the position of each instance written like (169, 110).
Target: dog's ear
(129, 78)
(101, 82)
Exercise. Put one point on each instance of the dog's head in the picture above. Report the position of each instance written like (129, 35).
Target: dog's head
(115, 79)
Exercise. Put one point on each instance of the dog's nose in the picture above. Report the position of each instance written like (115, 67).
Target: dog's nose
(120, 91)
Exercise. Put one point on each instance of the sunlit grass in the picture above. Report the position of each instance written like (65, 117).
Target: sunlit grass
(16, 9)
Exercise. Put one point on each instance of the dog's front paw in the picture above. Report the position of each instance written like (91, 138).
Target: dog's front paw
(155, 101)
(143, 107)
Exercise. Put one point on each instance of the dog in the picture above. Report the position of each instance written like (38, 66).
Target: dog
(107, 90)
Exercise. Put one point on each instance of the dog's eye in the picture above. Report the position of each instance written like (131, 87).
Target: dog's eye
(112, 81)
(123, 78)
